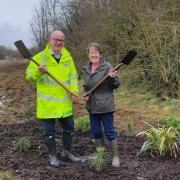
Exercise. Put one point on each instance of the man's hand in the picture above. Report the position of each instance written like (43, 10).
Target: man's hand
(75, 96)
(42, 68)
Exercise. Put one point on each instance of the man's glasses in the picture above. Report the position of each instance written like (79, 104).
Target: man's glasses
(58, 40)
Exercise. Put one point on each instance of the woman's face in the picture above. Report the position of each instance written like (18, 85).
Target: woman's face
(94, 55)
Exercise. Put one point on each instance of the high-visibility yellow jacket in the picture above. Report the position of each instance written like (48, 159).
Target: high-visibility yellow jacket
(52, 100)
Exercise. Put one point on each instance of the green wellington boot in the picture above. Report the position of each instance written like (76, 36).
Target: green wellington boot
(114, 149)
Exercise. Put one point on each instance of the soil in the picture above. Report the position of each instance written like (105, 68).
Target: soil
(17, 119)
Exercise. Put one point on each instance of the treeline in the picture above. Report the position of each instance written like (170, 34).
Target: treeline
(152, 27)
(8, 53)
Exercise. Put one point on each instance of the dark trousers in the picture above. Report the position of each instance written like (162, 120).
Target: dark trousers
(66, 123)
(102, 121)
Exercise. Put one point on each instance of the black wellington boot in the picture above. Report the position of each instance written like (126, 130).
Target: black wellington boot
(66, 154)
(51, 145)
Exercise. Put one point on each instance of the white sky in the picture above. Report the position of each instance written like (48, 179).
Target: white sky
(15, 19)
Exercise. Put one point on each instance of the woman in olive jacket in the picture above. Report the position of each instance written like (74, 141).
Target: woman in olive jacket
(100, 104)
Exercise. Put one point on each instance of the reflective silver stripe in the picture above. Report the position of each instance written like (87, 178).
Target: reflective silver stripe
(43, 58)
(51, 81)
(51, 114)
(73, 83)
(73, 76)
(52, 98)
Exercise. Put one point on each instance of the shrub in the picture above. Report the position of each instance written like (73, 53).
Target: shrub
(82, 124)
(23, 144)
(99, 161)
(161, 140)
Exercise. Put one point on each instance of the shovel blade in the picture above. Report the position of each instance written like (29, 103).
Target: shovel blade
(22, 49)
(129, 57)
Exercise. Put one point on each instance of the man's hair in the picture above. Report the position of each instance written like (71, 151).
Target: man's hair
(96, 46)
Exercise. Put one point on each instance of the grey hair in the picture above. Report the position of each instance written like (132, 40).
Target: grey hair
(96, 46)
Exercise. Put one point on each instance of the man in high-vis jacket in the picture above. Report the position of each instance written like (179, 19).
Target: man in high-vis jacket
(53, 101)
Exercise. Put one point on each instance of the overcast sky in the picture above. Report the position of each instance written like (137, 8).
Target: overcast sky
(15, 19)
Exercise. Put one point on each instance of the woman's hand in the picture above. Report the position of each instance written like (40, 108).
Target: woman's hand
(112, 73)
(86, 98)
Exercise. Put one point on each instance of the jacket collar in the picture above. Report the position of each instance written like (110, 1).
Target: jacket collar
(103, 65)
(64, 53)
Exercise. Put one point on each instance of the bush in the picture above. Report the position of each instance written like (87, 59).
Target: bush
(23, 144)
(161, 140)
(82, 124)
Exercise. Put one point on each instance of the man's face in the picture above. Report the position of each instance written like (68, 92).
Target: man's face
(57, 41)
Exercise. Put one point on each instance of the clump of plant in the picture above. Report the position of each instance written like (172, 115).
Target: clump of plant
(161, 140)
(23, 144)
(99, 161)
(29, 112)
(6, 175)
(82, 124)
(130, 128)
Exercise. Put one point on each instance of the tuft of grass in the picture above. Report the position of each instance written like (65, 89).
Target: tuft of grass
(23, 144)
(82, 124)
(29, 112)
(129, 128)
(99, 161)
(161, 140)
(6, 175)
(174, 122)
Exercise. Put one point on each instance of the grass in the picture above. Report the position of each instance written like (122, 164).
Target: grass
(6, 175)
(146, 104)
(174, 122)
(130, 128)
(23, 144)
(82, 124)
(30, 112)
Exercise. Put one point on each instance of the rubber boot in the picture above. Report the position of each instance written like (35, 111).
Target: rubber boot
(51, 145)
(99, 143)
(114, 148)
(67, 144)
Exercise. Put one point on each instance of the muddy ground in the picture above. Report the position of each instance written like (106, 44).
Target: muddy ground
(17, 119)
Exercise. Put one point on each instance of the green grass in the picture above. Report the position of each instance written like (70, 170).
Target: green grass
(82, 124)
(6, 175)
(23, 144)
(173, 122)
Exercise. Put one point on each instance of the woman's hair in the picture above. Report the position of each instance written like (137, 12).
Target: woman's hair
(96, 46)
